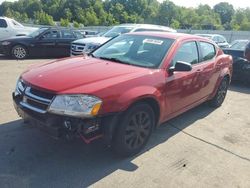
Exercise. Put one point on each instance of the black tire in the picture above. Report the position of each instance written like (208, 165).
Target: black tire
(135, 130)
(19, 52)
(220, 94)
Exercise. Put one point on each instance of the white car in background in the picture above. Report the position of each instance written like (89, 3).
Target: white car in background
(220, 40)
(11, 28)
(87, 45)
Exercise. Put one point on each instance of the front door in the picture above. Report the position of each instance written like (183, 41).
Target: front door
(183, 88)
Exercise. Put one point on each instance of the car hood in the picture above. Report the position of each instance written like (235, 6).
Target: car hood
(94, 40)
(89, 74)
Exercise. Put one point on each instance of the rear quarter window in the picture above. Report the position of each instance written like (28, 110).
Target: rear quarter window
(3, 23)
(208, 51)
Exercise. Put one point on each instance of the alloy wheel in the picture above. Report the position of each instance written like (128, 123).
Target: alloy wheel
(138, 130)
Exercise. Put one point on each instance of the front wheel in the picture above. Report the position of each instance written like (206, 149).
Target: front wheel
(19, 52)
(135, 129)
(220, 94)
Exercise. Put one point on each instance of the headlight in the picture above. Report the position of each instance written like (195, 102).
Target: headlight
(5, 43)
(76, 105)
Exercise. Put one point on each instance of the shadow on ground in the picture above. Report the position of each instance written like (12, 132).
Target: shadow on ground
(240, 87)
(29, 158)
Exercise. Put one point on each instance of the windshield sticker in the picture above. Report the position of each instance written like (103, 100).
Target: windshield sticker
(153, 41)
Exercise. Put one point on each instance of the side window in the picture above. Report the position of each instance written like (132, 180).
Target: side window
(3, 23)
(207, 50)
(67, 34)
(50, 35)
(188, 53)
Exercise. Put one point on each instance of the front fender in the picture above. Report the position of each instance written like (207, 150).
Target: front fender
(135, 94)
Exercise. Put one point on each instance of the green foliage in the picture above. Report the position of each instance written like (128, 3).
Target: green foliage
(76, 24)
(111, 12)
(225, 10)
(43, 18)
(64, 22)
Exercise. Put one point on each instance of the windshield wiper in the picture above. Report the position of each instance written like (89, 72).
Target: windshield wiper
(115, 60)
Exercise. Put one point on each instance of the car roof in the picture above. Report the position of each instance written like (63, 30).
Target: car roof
(150, 26)
(175, 36)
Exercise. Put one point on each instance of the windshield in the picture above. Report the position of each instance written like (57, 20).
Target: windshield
(137, 50)
(115, 31)
(37, 32)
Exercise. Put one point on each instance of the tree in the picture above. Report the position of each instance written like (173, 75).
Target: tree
(43, 19)
(64, 22)
(167, 13)
(225, 10)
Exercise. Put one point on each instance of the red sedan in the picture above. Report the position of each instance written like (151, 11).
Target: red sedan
(125, 88)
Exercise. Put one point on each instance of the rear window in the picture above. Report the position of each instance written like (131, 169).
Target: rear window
(207, 51)
(3, 23)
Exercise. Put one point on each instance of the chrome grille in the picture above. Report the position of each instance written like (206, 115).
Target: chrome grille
(33, 99)
(77, 49)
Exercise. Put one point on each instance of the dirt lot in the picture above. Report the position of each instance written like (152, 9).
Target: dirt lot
(201, 148)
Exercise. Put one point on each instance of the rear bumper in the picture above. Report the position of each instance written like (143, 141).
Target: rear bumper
(59, 126)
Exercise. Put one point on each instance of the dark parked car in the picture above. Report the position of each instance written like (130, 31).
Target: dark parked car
(239, 44)
(241, 62)
(44, 42)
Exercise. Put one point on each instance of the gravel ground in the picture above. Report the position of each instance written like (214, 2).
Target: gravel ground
(201, 148)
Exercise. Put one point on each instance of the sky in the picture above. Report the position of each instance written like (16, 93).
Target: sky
(195, 3)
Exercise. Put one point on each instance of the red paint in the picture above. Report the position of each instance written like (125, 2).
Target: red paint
(120, 85)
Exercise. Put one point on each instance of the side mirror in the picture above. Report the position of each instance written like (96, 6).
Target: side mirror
(181, 66)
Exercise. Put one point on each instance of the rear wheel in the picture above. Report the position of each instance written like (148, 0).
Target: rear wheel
(19, 52)
(135, 130)
(220, 94)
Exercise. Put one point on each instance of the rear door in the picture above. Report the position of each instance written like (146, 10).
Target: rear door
(64, 42)
(210, 70)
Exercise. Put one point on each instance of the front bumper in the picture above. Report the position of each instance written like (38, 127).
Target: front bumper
(60, 126)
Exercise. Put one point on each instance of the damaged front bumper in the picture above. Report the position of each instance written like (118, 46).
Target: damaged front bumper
(31, 109)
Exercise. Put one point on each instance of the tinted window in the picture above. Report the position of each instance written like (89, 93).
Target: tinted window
(3, 23)
(188, 53)
(138, 50)
(67, 34)
(207, 50)
(50, 35)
